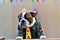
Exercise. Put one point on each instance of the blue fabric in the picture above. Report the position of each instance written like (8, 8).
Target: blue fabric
(37, 27)
(19, 30)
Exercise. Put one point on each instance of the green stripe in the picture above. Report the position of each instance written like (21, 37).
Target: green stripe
(32, 1)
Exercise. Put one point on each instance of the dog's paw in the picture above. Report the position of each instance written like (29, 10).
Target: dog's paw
(42, 37)
(19, 38)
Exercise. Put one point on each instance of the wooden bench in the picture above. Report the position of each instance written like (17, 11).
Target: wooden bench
(2, 38)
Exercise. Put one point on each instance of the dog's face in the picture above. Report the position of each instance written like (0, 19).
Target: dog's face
(27, 19)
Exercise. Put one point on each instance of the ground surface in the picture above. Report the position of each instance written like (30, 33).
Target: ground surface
(38, 39)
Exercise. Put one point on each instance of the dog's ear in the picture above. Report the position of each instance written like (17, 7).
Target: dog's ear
(33, 14)
(19, 15)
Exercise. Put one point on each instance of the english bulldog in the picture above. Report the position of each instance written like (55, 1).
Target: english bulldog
(28, 19)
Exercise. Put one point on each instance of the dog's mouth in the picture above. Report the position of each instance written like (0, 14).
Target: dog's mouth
(23, 25)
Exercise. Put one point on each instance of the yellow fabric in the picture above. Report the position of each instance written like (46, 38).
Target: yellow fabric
(28, 33)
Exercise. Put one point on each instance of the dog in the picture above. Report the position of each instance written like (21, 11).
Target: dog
(28, 19)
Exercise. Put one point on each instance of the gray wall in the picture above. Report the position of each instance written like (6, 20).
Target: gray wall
(49, 13)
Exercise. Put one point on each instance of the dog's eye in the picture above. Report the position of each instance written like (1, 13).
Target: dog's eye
(29, 17)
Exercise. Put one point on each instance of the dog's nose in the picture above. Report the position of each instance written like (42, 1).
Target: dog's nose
(23, 21)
